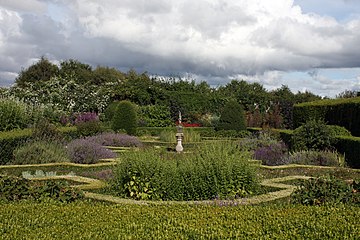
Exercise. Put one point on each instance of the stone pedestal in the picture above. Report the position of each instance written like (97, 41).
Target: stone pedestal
(179, 137)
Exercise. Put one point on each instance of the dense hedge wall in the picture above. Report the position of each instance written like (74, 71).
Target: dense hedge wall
(350, 146)
(342, 112)
(84, 220)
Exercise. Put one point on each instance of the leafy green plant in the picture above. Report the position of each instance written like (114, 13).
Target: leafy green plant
(125, 117)
(44, 130)
(189, 136)
(39, 152)
(15, 188)
(13, 114)
(324, 190)
(313, 135)
(216, 170)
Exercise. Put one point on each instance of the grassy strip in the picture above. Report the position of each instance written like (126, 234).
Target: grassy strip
(84, 220)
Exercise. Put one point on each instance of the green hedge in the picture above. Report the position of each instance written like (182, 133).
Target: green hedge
(342, 112)
(84, 220)
(9, 141)
(350, 146)
(155, 131)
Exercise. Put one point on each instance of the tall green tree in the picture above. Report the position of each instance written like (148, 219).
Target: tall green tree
(41, 71)
(232, 117)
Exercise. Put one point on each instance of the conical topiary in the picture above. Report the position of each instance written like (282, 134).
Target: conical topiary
(232, 117)
(125, 118)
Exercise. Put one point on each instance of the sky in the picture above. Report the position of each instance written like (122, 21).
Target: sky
(308, 45)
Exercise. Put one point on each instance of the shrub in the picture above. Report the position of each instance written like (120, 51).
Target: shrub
(87, 124)
(350, 147)
(339, 131)
(125, 118)
(313, 135)
(232, 117)
(86, 151)
(325, 190)
(11, 140)
(116, 140)
(320, 158)
(110, 111)
(39, 152)
(14, 188)
(216, 170)
(273, 154)
(13, 114)
(44, 130)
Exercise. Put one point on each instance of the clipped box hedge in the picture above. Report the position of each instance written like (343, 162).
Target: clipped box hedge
(84, 220)
(341, 112)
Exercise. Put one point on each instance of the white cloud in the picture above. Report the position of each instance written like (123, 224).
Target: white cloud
(259, 40)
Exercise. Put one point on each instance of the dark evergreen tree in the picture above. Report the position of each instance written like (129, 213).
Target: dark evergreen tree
(125, 117)
(232, 117)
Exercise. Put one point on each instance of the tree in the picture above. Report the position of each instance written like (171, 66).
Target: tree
(41, 71)
(232, 117)
(125, 118)
(82, 72)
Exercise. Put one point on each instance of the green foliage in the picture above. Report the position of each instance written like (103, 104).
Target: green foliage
(339, 131)
(155, 116)
(125, 118)
(110, 111)
(88, 128)
(350, 147)
(342, 112)
(96, 220)
(232, 117)
(212, 171)
(314, 134)
(39, 152)
(41, 71)
(11, 140)
(325, 190)
(44, 130)
(14, 188)
(13, 114)
(190, 135)
(319, 158)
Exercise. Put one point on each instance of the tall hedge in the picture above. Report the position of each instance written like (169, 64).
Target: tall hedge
(232, 117)
(125, 118)
(342, 112)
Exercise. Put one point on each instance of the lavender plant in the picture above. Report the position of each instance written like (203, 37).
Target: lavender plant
(116, 140)
(321, 158)
(87, 151)
(273, 154)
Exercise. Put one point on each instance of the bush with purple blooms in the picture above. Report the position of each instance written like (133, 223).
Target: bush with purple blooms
(116, 140)
(87, 151)
(273, 154)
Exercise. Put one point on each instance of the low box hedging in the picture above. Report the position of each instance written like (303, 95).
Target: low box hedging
(94, 220)
(155, 131)
(341, 112)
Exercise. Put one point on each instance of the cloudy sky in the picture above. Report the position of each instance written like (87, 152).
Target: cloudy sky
(306, 44)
